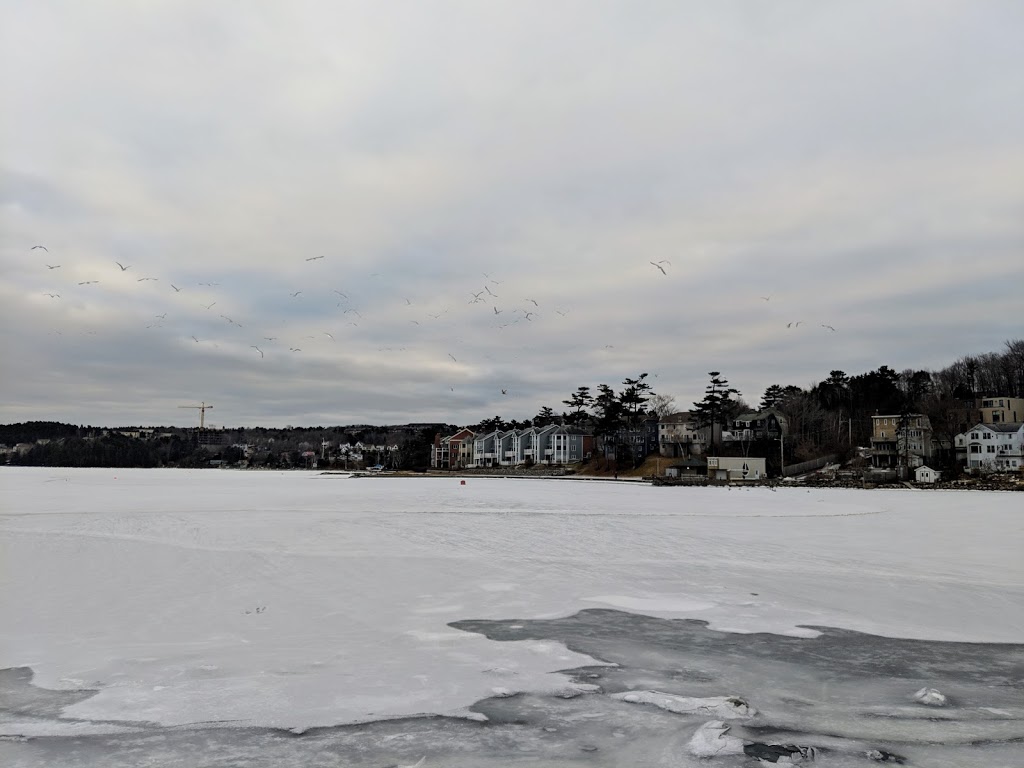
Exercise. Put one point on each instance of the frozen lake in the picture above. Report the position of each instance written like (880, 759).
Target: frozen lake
(253, 606)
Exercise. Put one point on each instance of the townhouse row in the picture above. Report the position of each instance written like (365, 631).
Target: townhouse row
(551, 446)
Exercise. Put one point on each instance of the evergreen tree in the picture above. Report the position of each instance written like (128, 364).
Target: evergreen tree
(772, 397)
(544, 417)
(717, 407)
(579, 402)
(632, 398)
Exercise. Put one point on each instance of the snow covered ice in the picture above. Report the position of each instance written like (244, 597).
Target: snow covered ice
(302, 617)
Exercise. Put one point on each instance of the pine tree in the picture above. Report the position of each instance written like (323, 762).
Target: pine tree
(579, 401)
(717, 406)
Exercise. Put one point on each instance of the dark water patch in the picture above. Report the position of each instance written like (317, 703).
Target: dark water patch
(847, 698)
(19, 696)
(839, 652)
(847, 693)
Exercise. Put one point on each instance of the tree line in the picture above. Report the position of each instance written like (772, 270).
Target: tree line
(826, 417)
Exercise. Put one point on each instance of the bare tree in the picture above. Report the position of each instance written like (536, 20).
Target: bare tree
(661, 405)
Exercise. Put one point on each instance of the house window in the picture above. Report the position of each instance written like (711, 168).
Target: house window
(975, 449)
(991, 448)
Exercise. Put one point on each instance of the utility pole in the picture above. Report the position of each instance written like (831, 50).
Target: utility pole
(782, 456)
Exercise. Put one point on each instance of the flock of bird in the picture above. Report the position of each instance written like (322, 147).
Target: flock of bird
(503, 311)
(352, 316)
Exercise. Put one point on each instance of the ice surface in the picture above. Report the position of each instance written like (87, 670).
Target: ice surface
(293, 600)
(726, 707)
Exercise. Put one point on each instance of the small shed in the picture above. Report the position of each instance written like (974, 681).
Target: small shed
(925, 474)
(687, 468)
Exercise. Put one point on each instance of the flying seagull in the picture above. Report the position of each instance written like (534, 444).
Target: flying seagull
(767, 298)
(295, 295)
(504, 391)
(497, 311)
(122, 266)
(162, 317)
(534, 302)
(207, 306)
(829, 327)
(343, 295)
(176, 288)
(658, 266)
(415, 322)
(794, 325)
(270, 338)
(195, 339)
(39, 246)
(489, 292)
(452, 357)
(88, 282)
(144, 279)
(53, 295)
(314, 258)
(294, 349)
(253, 346)
(329, 335)
(53, 266)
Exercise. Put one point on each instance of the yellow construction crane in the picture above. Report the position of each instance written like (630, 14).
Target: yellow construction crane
(202, 412)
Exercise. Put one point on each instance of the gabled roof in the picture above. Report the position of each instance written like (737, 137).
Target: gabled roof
(754, 416)
(1003, 426)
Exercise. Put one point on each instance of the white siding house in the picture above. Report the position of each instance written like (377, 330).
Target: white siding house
(993, 447)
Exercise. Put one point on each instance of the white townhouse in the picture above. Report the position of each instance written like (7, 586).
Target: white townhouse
(553, 444)
(504, 447)
(993, 447)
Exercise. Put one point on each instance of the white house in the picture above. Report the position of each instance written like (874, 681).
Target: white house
(926, 474)
(677, 436)
(993, 447)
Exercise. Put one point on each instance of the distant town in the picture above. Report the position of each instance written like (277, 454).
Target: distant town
(882, 426)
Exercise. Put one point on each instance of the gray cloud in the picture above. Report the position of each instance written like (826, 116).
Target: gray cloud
(860, 165)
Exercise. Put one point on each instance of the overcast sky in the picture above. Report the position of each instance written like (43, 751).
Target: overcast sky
(858, 165)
